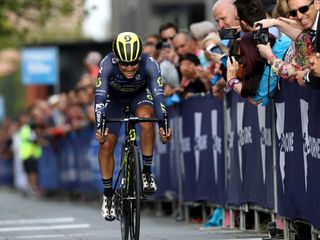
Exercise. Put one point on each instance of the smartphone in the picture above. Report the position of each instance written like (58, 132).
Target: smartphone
(214, 49)
(224, 60)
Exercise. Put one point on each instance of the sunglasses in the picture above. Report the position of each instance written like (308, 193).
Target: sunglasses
(126, 64)
(166, 39)
(302, 10)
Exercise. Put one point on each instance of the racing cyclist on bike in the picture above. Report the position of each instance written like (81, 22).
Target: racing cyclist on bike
(127, 77)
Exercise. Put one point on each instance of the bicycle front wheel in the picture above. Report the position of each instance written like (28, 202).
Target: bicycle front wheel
(135, 204)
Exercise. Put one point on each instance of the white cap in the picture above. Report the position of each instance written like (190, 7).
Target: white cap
(93, 58)
(201, 29)
(54, 99)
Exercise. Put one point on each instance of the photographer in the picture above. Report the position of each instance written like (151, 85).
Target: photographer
(246, 82)
(260, 83)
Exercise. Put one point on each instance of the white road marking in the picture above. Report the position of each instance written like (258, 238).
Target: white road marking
(247, 239)
(38, 220)
(54, 236)
(44, 228)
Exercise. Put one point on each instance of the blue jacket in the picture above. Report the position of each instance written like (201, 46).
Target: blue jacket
(279, 48)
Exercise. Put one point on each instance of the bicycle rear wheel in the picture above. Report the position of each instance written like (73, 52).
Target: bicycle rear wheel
(125, 221)
(135, 203)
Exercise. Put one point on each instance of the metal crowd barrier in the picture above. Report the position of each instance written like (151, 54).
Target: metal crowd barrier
(227, 154)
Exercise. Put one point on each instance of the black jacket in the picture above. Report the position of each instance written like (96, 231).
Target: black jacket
(314, 81)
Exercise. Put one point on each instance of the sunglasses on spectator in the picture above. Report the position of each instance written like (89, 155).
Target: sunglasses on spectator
(167, 38)
(126, 64)
(302, 10)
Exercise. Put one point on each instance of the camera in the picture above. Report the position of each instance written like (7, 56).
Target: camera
(229, 33)
(261, 36)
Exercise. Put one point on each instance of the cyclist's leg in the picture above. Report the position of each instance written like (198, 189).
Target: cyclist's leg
(106, 159)
(144, 108)
(106, 156)
(147, 135)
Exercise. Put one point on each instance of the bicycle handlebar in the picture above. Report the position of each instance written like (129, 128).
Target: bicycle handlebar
(134, 120)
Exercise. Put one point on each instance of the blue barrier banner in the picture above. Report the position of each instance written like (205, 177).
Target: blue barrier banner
(165, 161)
(39, 65)
(67, 162)
(249, 153)
(6, 171)
(201, 138)
(48, 171)
(298, 152)
(85, 175)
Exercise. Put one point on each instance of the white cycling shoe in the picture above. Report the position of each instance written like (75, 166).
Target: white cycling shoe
(149, 185)
(108, 210)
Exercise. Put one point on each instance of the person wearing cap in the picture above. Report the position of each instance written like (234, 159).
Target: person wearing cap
(127, 76)
(216, 53)
(200, 30)
(91, 63)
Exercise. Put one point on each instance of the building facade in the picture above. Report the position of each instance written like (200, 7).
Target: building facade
(145, 16)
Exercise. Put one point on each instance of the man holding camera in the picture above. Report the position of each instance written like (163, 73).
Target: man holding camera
(224, 14)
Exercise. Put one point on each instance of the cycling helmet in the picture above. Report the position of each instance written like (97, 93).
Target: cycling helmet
(127, 47)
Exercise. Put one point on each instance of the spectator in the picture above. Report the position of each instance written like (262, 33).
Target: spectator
(252, 73)
(184, 43)
(281, 9)
(315, 68)
(199, 31)
(305, 42)
(30, 151)
(215, 52)
(149, 46)
(91, 64)
(169, 72)
(224, 14)
(191, 83)
(249, 12)
(167, 33)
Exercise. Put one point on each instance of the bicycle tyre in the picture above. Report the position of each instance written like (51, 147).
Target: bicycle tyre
(125, 211)
(135, 204)
(125, 222)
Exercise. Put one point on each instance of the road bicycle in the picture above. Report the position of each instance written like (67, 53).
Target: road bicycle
(128, 188)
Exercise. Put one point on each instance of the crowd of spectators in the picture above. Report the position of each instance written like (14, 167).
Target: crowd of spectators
(44, 122)
(203, 59)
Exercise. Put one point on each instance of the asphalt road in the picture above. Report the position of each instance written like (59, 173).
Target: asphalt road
(49, 219)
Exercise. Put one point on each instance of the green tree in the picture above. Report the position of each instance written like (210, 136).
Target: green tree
(20, 19)
(29, 22)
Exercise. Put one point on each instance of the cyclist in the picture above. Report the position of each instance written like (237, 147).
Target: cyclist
(127, 77)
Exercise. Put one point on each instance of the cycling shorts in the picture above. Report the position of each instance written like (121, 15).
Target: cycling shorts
(115, 105)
